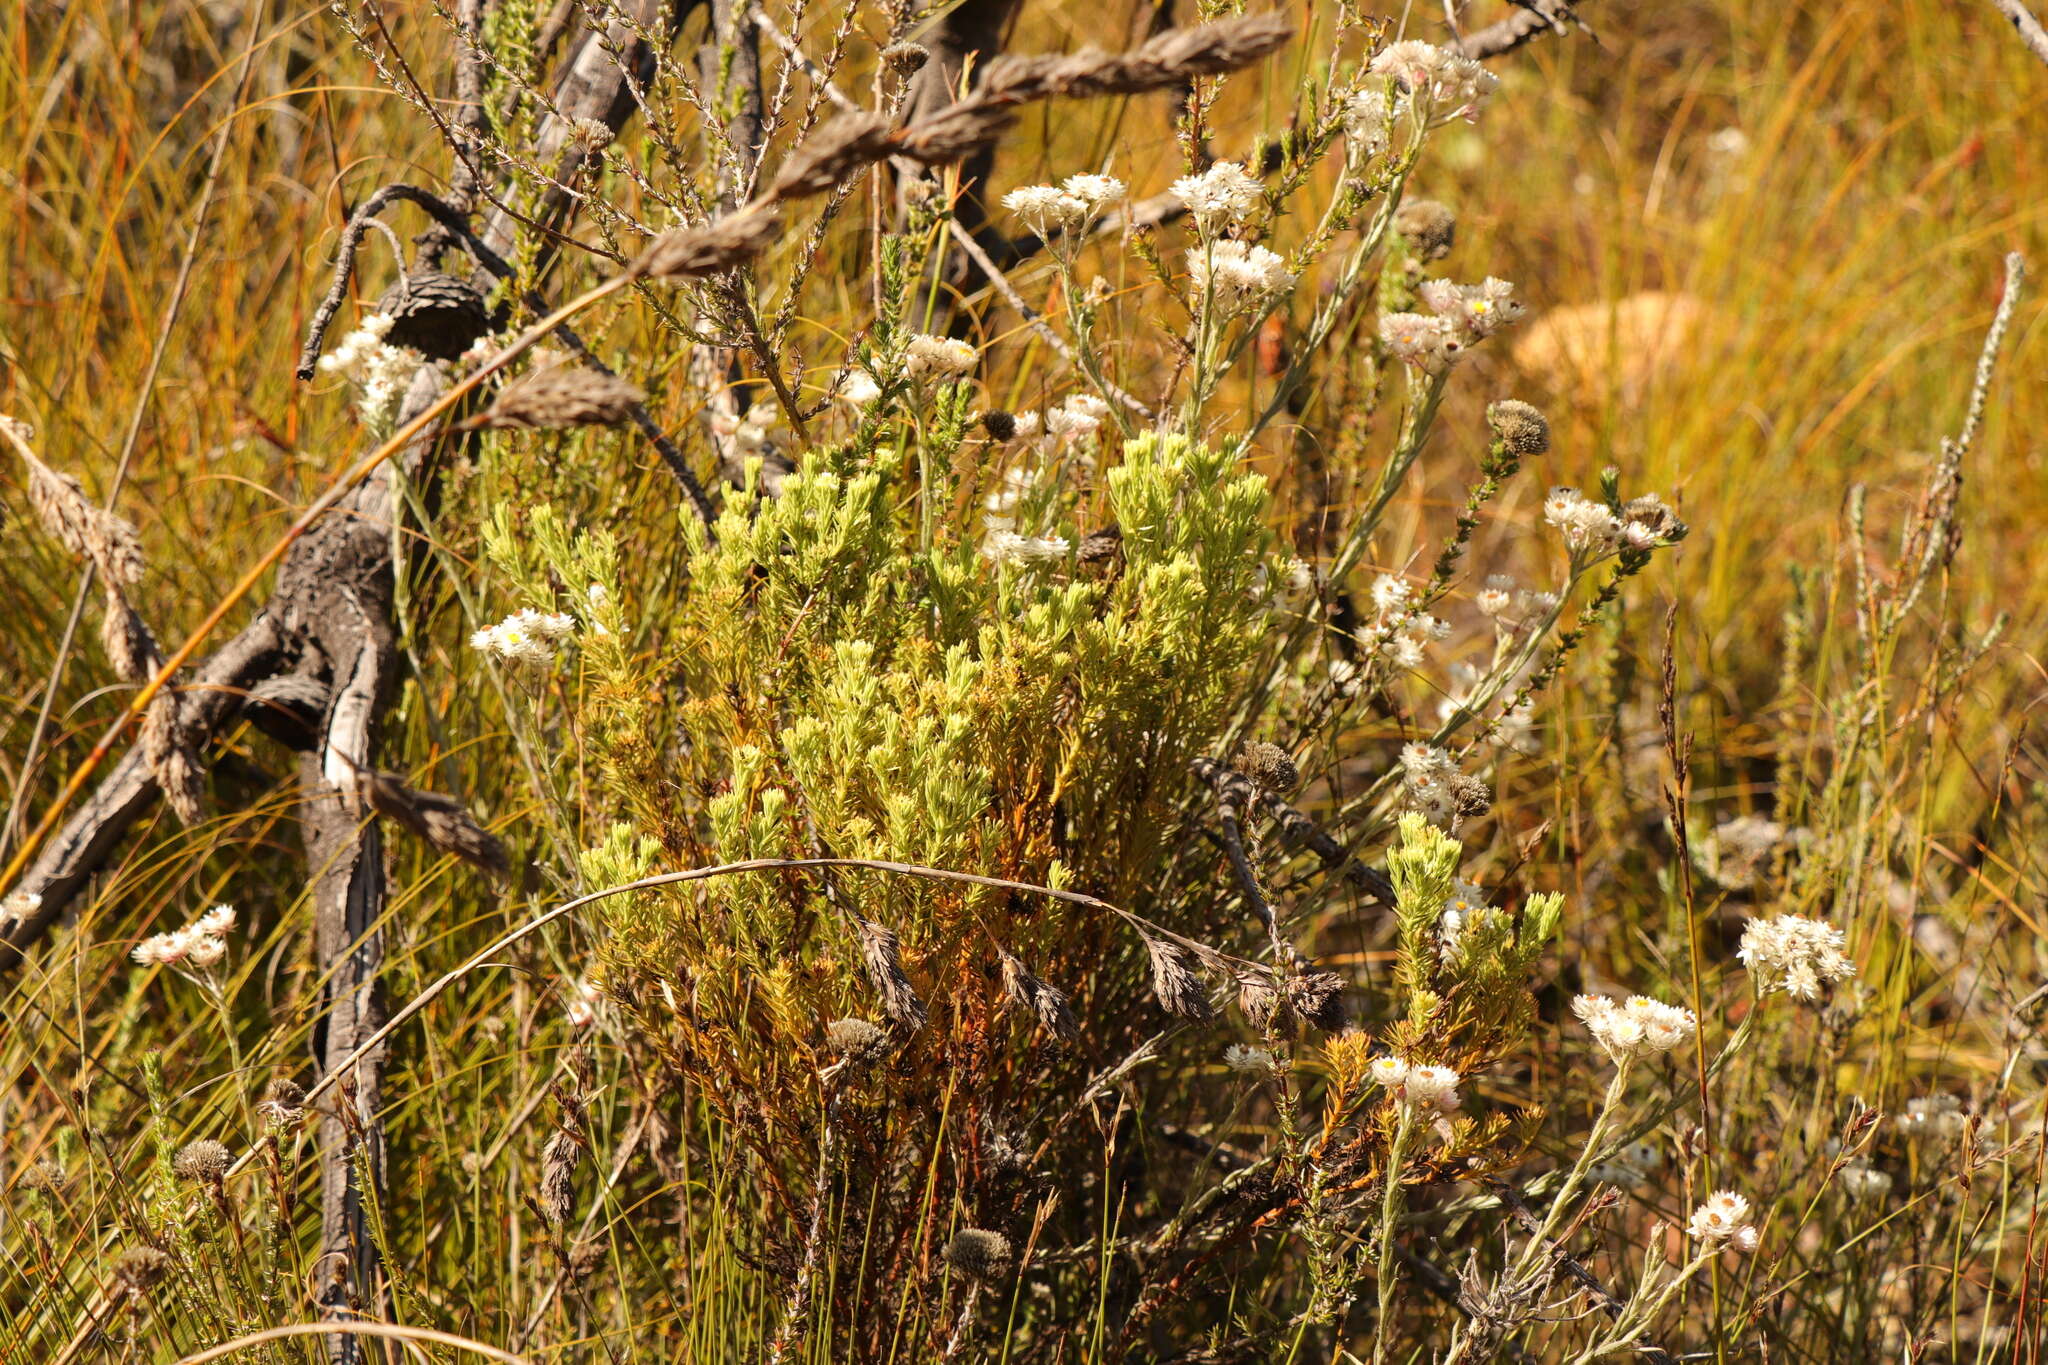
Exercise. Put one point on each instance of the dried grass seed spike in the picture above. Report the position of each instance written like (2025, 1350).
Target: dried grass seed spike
(882, 954)
(832, 155)
(1318, 997)
(562, 395)
(688, 252)
(1179, 990)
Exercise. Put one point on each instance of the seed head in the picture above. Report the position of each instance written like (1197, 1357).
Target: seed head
(905, 59)
(204, 1162)
(1318, 997)
(730, 241)
(141, 1268)
(284, 1103)
(982, 1254)
(1521, 427)
(857, 1040)
(1174, 982)
(1430, 228)
(1269, 766)
(1000, 425)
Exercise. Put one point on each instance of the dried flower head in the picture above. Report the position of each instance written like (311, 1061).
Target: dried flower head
(203, 1162)
(1795, 955)
(979, 1253)
(45, 1178)
(1318, 997)
(283, 1103)
(140, 1269)
(1429, 228)
(1000, 425)
(1248, 1061)
(1263, 1005)
(1444, 83)
(857, 1040)
(558, 1160)
(1864, 1184)
(882, 955)
(1521, 427)
(905, 59)
(1269, 766)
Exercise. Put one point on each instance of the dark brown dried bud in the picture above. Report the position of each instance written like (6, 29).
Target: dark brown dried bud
(1174, 982)
(882, 954)
(833, 155)
(563, 395)
(131, 649)
(905, 59)
(205, 1162)
(732, 240)
(1318, 997)
(558, 1176)
(1000, 425)
(141, 1268)
(857, 1040)
(441, 820)
(1046, 1003)
(981, 1254)
(1098, 547)
(1261, 1001)
(1429, 228)
(1521, 427)
(283, 1103)
(1470, 796)
(45, 1178)
(1270, 767)
(439, 315)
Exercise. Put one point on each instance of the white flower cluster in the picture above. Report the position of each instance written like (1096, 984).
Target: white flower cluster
(1863, 1183)
(1365, 123)
(1795, 955)
(926, 356)
(858, 389)
(527, 637)
(379, 370)
(1055, 432)
(1936, 1119)
(1002, 546)
(1642, 1027)
(1724, 1220)
(1464, 910)
(1508, 604)
(1631, 1168)
(1423, 1087)
(1432, 784)
(746, 432)
(1047, 209)
(18, 905)
(1514, 730)
(584, 998)
(1219, 197)
(201, 943)
(1397, 630)
(1444, 83)
(1233, 277)
(1248, 1061)
(1643, 523)
(1461, 316)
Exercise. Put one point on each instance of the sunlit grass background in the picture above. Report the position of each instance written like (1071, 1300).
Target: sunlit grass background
(1820, 195)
